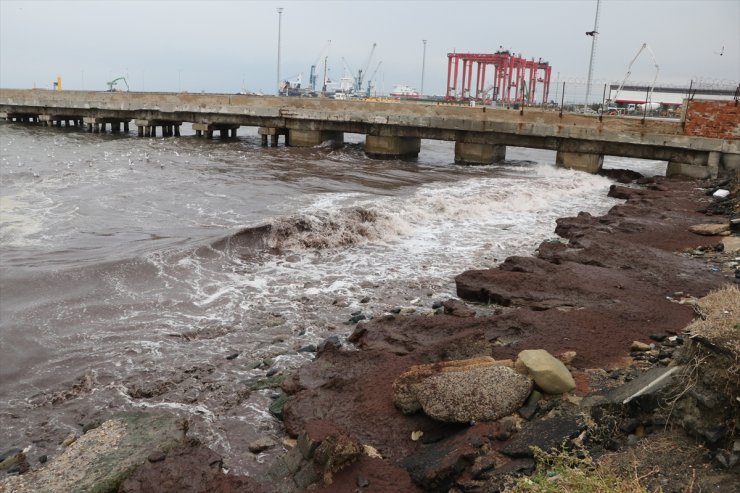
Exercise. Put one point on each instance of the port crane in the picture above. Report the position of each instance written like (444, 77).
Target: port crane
(629, 72)
(112, 84)
(372, 78)
(367, 66)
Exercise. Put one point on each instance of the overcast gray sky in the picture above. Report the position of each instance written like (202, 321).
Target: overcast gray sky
(224, 46)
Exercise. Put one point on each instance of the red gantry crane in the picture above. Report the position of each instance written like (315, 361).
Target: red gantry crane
(515, 79)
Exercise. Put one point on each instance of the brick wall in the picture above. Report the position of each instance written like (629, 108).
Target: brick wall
(716, 119)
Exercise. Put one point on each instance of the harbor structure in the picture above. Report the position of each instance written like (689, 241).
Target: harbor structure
(706, 142)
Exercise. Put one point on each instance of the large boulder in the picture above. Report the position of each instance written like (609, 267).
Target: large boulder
(548, 372)
(106, 456)
(476, 389)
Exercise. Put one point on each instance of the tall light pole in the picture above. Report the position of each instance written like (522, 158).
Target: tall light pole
(280, 26)
(593, 35)
(423, 64)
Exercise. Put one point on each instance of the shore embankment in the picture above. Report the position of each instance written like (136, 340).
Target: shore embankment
(609, 300)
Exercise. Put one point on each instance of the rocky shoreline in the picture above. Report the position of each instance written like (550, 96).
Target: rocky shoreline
(610, 302)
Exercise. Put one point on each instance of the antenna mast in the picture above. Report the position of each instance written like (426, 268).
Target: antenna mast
(593, 51)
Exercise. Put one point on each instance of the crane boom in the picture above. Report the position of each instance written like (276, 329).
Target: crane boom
(113, 83)
(629, 72)
(365, 67)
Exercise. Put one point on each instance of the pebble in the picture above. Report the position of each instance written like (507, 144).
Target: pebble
(396, 310)
(365, 299)
(232, 356)
(69, 440)
(271, 372)
(437, 304)
(357, 317)
(43, 459)
(156, 456)
(311, 348)
(362, 482)
(261, 444)
(640, 346)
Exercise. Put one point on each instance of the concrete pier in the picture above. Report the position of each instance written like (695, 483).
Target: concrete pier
(705, 144)
(473, 153)
(225, 130)
(148, 128)
(382, 147)
(273, 133)
(311, 138)
(579, 161)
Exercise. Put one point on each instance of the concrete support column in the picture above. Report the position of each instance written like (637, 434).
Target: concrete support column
(471, 153)
(209, 134)
(140, 130)
(392, 147)
(579, 161)
(153, 130)
(713, 163)
(96, 128)
(224, 132)
(177, 129)
(730, 163)
(126, 127)
(115, 127)
(273, 133)
(675, 168)
(90, 127)
(264, 140)
(233, 133)
(311, 138)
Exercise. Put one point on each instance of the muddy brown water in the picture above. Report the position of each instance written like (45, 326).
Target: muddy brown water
(133, 270)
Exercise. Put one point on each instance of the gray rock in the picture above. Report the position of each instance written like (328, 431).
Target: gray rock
(548, 372)
(102, 459)
(261, 444)
(545, 434)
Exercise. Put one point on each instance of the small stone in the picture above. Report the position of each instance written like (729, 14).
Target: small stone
(43, 459)
(436, 304)
(232, 356)
(356, 318)
(639, 346)
(632, 440)
(271, 372)
(69, 440)
(261, 444)
(567, 357)
(276, 408)
(156, 456)
(365, 299)
(407, 310)
(658, 337)
(362, 482)
(10, 453)
(310, 348)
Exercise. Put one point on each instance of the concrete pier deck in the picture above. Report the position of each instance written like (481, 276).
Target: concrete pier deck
(393, 129)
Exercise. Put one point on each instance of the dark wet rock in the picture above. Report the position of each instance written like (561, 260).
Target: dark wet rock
(9, 453)
(12, 461)
(545, 434)
(366, 299)
(269, 382)
(276, 408)
(43, 459)
(91, 425)
(356, 318)
(362, 482)
(528, 410)
(457, 308)
(271, 372)
(435, 467)
(649, 384)
(330, 342)
(232, 356)
(309, 348)
(437, 304)
(621, 175)
(396, 310)
(156, 456)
